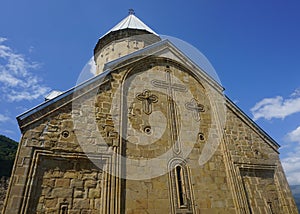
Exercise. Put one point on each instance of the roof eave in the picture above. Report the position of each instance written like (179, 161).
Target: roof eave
(41, 106)
(252, 123)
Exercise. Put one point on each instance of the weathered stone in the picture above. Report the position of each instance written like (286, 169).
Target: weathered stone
(81, 203)
(90, 184)
(94, 193)
(88, 176)
(62, 193)
(51, 203)
(77, 183)
(70, 174)
(78, 194)
(62, 182)
(70, 152)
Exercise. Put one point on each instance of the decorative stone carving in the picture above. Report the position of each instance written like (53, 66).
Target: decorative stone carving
(147, 98)
(196, 108)
(171, 87)
(201, 136)
(65, 133)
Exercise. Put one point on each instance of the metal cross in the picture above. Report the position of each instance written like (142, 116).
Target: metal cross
(171, 106)
(131, 11)
(196, 108)
(147, 98)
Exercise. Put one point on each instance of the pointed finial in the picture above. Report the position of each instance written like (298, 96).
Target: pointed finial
(131, 11)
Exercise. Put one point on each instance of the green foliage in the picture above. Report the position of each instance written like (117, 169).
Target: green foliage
(8, 149)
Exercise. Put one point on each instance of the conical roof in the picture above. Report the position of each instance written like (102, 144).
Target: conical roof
(131, 22)
(131, 26)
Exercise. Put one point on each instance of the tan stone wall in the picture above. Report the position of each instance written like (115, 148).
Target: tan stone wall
(122, 47)
(262, 186)
(148, 196)
(3, 189)
(71, 182)
(253, 158)
(52, 169)
(261, 191)
(209, 190)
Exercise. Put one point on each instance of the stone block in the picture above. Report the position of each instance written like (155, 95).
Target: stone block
(51, 203)
(57, 174)
(81, 203)
(88, 176)
(48, 182)
(62, 193)
(78, 184)
(90, 184)
(78, 194)
(94, 193)
(62, 182)
(71, 174)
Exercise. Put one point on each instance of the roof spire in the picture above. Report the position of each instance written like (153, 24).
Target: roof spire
(131, 11)
(131, 22)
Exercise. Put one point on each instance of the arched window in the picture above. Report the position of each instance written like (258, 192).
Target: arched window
(180, 186)
(181, 195)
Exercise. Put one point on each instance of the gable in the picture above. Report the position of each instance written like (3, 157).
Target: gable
(235, 110)
(162, 50)
(166, 49)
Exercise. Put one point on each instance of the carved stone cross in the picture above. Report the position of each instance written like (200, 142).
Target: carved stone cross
(173, 120)
(196, 108)
(147, 98)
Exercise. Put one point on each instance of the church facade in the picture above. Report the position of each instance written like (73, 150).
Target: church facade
(151, 132)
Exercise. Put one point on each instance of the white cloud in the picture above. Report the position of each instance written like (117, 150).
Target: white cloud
(296, 93)
(277, 107)
(17, 81)
(291, 163)
(2, 39)
(292, 169)
(294, 136)
(3, 118)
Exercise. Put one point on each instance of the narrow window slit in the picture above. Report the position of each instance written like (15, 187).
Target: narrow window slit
(270, 207)
(181, 190)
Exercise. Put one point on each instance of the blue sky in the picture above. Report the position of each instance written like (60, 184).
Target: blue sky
(254, 47)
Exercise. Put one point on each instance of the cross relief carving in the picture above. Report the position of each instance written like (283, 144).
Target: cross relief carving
(196, 108)
(147, 98)
(173, 121)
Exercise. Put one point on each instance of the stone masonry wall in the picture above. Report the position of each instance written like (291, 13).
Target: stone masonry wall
(52, 171)
(75, 184)
(257, 168)
(209, 191)
(60, 159)
(3, 189)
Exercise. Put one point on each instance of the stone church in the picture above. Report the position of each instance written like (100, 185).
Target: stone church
(150, 132)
